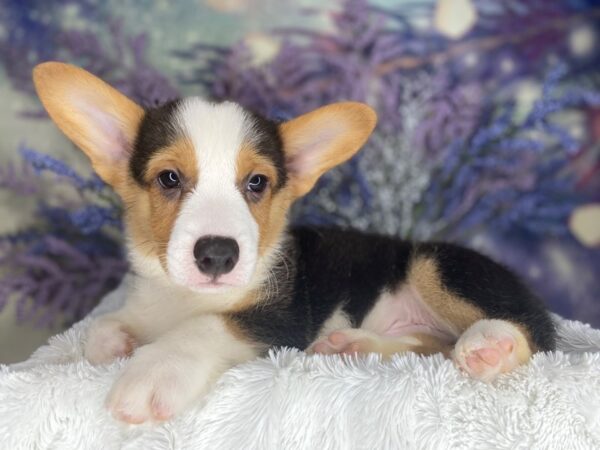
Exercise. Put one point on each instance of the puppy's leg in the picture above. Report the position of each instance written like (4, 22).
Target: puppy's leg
(143, 318)
(360, 340)
(497, 321)
(109, 337)
(167, 375)
(490, 347)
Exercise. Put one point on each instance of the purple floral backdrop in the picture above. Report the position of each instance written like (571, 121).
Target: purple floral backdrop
(489, 131)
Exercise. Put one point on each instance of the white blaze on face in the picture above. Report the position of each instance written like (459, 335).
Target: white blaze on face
(215, 206)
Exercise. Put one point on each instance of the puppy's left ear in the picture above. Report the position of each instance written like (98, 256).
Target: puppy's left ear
(96, 117)
(320, 140)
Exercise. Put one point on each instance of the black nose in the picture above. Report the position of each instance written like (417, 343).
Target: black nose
(216, 255)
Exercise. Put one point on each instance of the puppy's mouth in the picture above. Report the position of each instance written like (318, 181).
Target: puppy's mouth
(215, 283)
(218, 284)
(211, 286)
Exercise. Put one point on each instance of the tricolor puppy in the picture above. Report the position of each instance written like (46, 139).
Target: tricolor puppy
(219, 275)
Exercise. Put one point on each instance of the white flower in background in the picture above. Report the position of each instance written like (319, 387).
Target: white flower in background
(262, 47)
(582, 40)
(454, 18)
(526, 93)
(585, 224)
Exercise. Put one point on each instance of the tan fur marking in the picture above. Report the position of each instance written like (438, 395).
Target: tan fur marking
(270, 212)
(179, 156)
(136, 217)
(431, 345)
(163, 207)
(250, 161)
(150, 214)
(449, 308)
(525, 345)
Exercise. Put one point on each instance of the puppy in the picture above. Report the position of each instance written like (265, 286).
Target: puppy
(220, 277)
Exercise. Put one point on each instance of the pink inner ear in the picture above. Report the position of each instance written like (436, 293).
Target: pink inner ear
(104, 131)
(311, 148)
(302, 162)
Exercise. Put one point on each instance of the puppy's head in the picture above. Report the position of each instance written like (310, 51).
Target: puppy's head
(206, 186)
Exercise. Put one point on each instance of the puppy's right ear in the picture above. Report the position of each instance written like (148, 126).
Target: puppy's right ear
(96, 117)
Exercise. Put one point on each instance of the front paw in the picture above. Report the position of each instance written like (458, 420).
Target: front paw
(154, 387)
(107, 340)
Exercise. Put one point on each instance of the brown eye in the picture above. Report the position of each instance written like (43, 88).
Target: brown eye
(257, 184)
(169, 179)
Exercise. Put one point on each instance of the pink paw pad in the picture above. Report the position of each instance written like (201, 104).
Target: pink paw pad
(346, 342)
(485, 356)
(478, 359)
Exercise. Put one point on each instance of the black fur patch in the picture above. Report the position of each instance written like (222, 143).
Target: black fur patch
(330, 268)
(333, 268)
(267, 141)
(156, 131)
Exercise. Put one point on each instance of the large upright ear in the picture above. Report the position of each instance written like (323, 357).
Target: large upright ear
(97, 118)
(320, 140)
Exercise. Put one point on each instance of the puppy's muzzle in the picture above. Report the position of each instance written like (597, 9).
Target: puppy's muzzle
(216, 255)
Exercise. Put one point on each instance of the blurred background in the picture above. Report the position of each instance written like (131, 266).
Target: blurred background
(489, 131)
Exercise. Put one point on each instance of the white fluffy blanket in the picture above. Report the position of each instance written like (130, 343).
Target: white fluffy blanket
(289, 400)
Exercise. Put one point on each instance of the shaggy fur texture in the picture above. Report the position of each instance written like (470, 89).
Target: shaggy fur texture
(289, 400)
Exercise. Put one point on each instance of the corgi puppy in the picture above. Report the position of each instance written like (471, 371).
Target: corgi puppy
(220, 277)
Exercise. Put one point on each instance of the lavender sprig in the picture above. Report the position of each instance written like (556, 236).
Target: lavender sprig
(60, 267)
